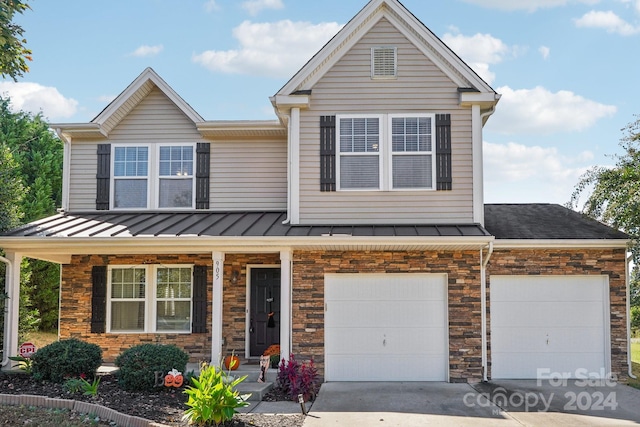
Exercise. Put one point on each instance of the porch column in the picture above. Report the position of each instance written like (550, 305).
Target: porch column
(285, 304)
(216, 308)
(12, 308)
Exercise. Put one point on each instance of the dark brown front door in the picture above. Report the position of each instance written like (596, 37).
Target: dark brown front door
(265, 304)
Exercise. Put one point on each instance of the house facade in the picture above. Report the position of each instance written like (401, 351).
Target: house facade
(351, 230)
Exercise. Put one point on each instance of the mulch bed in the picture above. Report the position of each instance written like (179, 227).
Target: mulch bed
(165, 406)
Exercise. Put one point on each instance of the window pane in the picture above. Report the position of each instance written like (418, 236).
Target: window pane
(127, 316)
(176, 193)
(173, 316)
(359, 172)
(174, 283)
(359, 135)
(130, 193)
(130, 161)
(128, 283)
(412, 171)
(411, 134)
(176, 161)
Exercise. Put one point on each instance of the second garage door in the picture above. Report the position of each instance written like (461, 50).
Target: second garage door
(557, 324)
(386, 327)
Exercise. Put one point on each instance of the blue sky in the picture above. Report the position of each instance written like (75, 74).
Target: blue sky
(567, 70)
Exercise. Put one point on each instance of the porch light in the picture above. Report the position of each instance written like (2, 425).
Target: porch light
(234, 276)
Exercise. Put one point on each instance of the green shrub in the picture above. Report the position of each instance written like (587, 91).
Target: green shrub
(213, 397)
(139, 365)
(65, 359)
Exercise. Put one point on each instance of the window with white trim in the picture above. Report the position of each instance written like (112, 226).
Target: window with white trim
(386, 152)
(151, 298)
(160, 176)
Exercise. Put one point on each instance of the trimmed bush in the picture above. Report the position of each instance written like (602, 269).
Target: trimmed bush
(139, 365)
(66, 359)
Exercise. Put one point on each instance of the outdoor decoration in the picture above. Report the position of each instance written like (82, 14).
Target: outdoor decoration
(173, 378)
(231, 362)
(264, 365)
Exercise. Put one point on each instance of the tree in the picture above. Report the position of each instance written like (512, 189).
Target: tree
(37, 156)
(615, 191)
(13, 52)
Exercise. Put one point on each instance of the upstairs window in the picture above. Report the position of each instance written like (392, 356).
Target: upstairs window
(412, 152)
(386, 152)
(176, 177)
(359, 152)
(131, 176)
(383, 62)
(156, 176)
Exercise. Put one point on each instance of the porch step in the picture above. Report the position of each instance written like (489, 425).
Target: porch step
(257, 390)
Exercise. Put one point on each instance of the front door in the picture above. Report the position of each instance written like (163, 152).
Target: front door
(264, 313)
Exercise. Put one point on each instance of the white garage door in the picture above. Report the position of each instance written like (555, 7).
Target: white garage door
(555, 323)
(386, 327)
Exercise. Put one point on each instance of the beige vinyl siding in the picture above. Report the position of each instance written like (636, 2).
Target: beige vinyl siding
(245, 174)
(249, 175)
(420, 87)
(82, 180)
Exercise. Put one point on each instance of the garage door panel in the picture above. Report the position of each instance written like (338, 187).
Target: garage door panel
(385, 313)
(547, 288)
(385, 327)
(557, 323)
(395, 287)
(365, 341)
(526, 365)
(528, 340)
(548, 314)
(382, 368)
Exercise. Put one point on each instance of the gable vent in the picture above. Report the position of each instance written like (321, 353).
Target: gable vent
(383, 62)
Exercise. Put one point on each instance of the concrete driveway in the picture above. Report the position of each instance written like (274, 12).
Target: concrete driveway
(503, 403)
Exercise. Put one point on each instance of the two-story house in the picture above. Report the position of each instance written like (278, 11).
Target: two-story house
(351, 230)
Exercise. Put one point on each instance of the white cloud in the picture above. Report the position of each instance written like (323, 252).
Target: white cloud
(35, 98)
(211, 6)
(539, 111)
(276, 49)
(146, 51)
(479, 51)
(255, 6)
(608, 21)
(530, 5)
(519, 173)
(544, 51)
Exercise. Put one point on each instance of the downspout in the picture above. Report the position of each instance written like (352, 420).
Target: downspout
(5, 352)
(483, 309)
(628, 284)
(287, 220)
(66, 169)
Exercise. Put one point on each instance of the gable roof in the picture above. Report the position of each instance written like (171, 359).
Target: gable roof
(122, 105)
(538, 221)
(392, 10)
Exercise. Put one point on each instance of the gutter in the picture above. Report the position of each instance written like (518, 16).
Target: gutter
(628, 284)
(483, 309)
(5, 352)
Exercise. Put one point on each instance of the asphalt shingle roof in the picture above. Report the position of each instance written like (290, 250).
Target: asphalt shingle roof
(544, 221)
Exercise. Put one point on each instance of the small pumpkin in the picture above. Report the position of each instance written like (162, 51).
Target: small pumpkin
(177, 381)
(169, 380)
(231, 362)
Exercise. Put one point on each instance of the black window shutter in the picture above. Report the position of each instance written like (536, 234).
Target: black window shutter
(103, 177)
(199, 325)
(98, 299)
(328, 153)
(443, 152)
(203, 150)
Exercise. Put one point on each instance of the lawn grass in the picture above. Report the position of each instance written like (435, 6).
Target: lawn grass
(40, 339)
(635, 363)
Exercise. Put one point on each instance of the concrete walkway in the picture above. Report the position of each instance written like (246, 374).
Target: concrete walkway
(444, 404)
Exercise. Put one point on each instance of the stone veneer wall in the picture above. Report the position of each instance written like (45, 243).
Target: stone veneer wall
(608, 262)
(75, 312)
(462, 268)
